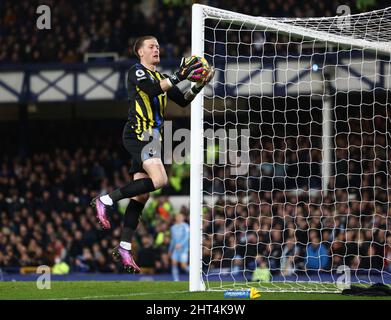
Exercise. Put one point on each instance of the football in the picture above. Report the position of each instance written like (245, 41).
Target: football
(197, 75)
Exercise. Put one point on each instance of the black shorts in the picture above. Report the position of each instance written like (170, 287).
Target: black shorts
(140, 150)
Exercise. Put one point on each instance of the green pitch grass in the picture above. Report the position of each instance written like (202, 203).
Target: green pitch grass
(147, 290)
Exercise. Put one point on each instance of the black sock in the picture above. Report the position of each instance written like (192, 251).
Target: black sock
(131, 218)
(132, 189)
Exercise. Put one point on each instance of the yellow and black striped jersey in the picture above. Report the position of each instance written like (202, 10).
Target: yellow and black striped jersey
(147, 101)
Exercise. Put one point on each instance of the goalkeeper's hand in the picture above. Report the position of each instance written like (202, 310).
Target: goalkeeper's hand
(196, 89)
(200, 84)
(207, 79)
(186, 70)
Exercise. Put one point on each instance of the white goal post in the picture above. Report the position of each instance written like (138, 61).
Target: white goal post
(290, 152)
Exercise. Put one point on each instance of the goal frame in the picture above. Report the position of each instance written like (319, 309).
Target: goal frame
(196, 282)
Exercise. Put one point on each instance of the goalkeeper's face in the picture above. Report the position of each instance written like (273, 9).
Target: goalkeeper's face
(149, 52)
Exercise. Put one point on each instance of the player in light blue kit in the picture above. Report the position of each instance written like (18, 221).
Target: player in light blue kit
(179, 245)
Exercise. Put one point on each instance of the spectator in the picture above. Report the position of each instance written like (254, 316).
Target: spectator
(289, 253)
(317, 254)
(163, 264)
(387, 253)
(146, 255)
(82, 27)
(85, 261)
(262, 272)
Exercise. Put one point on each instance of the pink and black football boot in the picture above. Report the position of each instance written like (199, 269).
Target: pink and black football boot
(101, 212)
(125, 257)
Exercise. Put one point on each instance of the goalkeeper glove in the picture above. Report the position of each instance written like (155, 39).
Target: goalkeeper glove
(196, 89)
(200, 84)
(186, 69)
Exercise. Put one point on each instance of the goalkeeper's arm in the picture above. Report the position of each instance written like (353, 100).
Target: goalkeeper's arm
(183, 99)
(186, 69)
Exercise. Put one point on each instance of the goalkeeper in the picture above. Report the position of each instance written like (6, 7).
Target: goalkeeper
(148, 90)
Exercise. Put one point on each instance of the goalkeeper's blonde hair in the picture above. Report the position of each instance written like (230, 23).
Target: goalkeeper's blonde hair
(139, 43)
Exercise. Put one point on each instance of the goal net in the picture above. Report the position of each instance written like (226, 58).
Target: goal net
(290, 152)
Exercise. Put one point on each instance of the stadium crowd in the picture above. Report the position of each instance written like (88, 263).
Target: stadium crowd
(291, 225)
(45, 217)
(45, 213)
(95, 26)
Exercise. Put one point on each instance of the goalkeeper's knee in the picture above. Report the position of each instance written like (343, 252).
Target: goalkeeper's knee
(160, 181)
